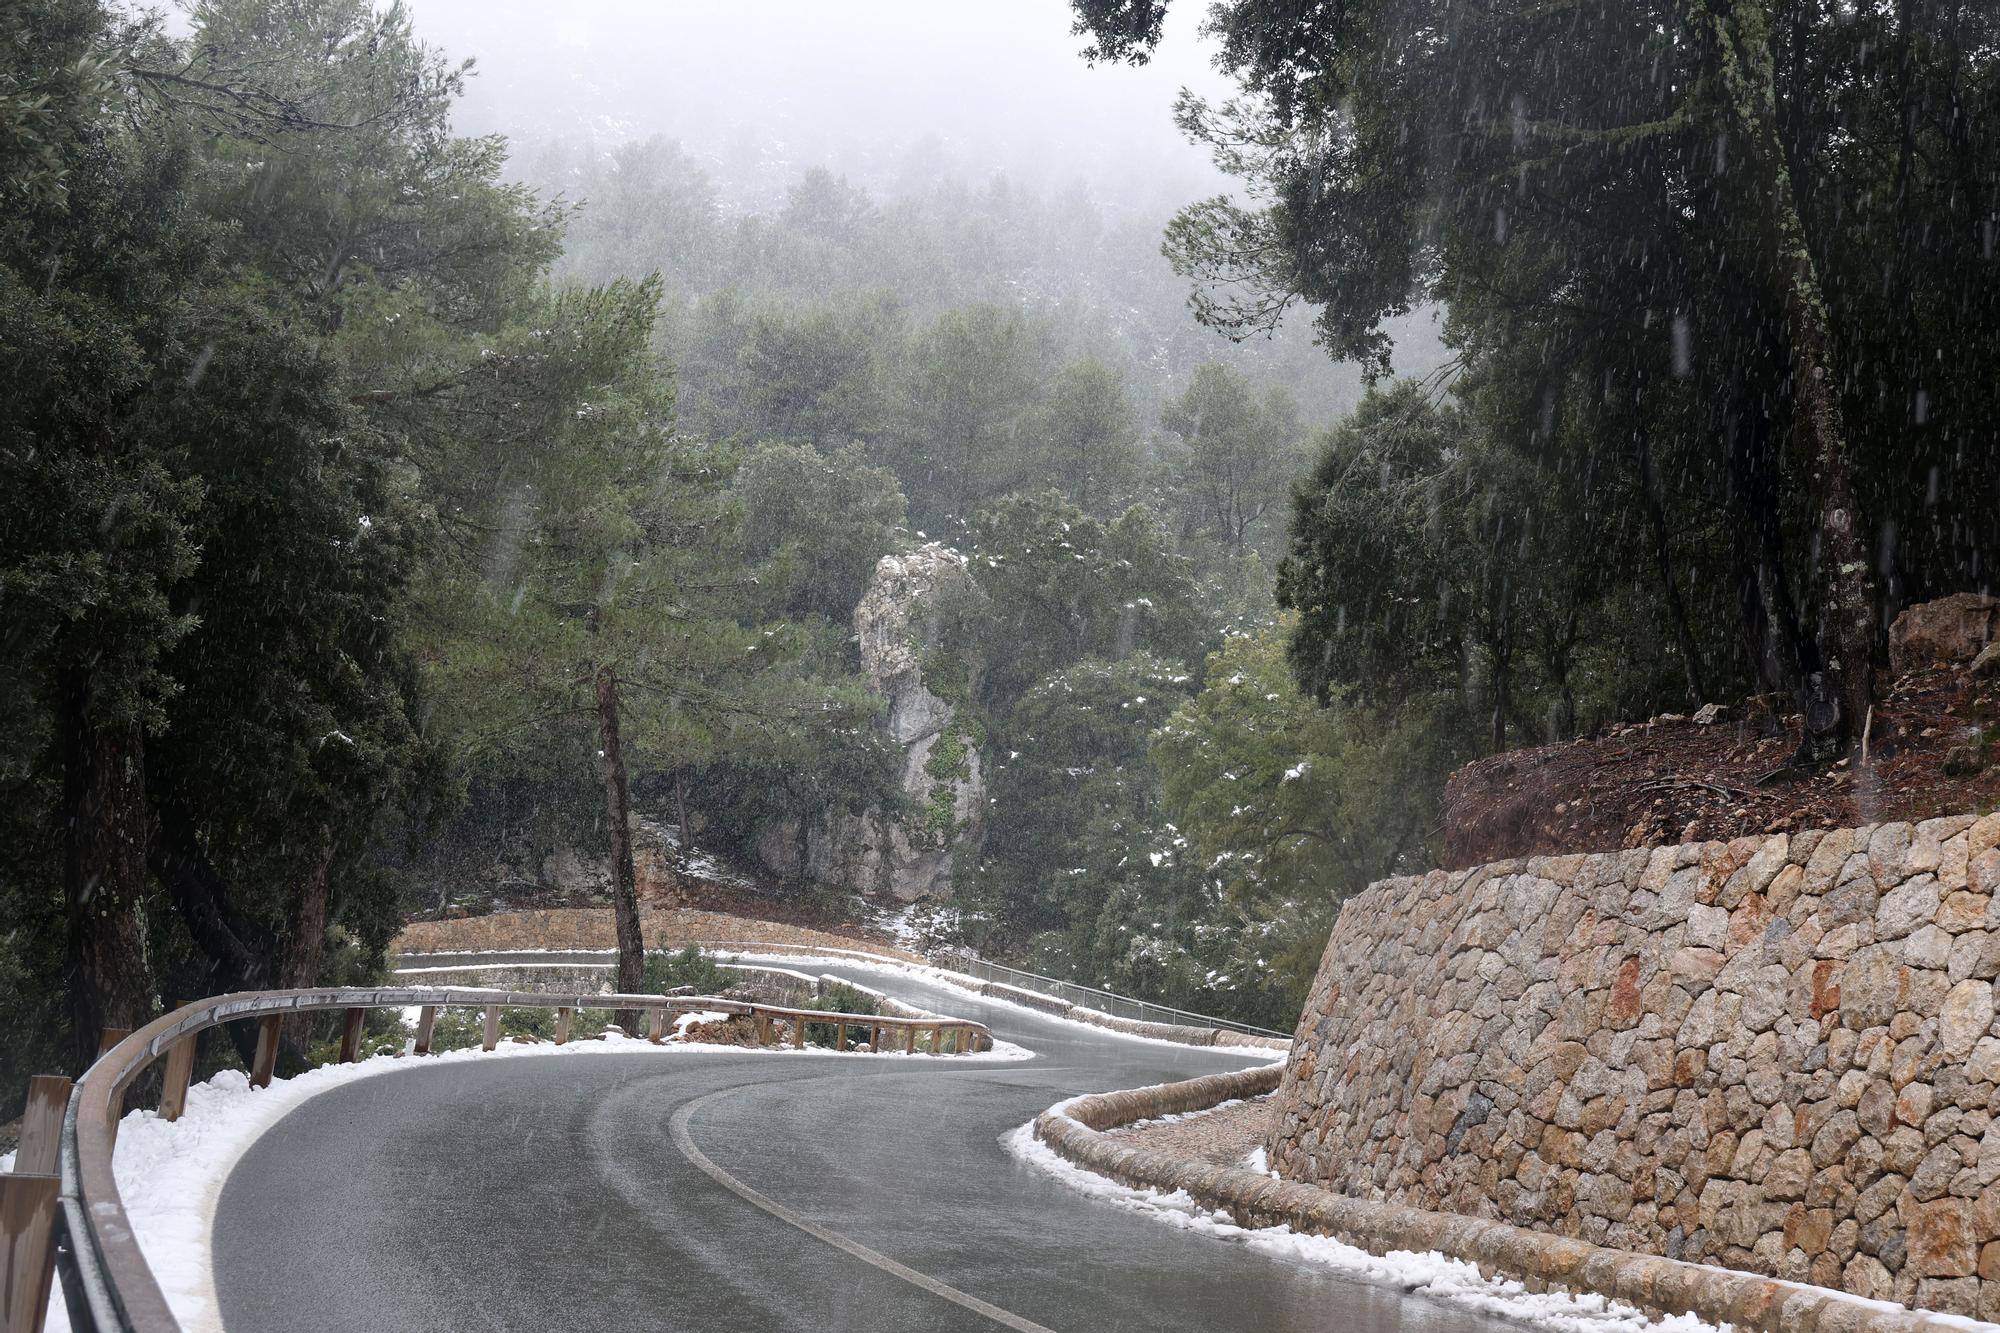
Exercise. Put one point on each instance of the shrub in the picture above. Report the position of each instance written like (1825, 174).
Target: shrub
(838, 998)
(689, 967)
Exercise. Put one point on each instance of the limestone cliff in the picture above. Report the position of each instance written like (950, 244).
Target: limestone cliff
(900, 626)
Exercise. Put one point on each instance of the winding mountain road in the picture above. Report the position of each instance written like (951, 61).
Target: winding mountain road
(752, 1192)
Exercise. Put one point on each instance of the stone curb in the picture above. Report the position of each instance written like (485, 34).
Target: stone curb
(1538, 1259)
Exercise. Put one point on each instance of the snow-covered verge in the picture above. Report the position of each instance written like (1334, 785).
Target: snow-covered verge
(1435, 1275)
(170, 1173)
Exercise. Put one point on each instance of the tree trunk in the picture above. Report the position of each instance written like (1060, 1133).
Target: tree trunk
(686, 849)
(1502, 647)
(1736, 38)
(305, 949)
(238, 954)
(1656, 517)
(624, 877)
(104, 818)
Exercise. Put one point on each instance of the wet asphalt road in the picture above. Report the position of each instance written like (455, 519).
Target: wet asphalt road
(549, 1194)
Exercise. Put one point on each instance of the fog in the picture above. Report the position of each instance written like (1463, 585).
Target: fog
(892, 95)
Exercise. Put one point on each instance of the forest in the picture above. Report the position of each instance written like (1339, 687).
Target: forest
(371, 493)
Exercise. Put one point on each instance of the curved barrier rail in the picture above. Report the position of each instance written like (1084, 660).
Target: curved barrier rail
(1203, 1031)
(1057, 997)
(1104, 1001)
(107, 1285)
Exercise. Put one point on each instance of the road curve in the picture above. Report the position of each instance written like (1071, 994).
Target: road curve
(739, 1192)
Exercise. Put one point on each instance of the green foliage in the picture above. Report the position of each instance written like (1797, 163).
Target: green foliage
(1290, 806)
(1061, 586)
(686, 967)
(1087, 440)
(1429, 555)
(1764, 208)
(51, 66)
(816, 377)
(465, 1029)
(1077, 846)
(1234, 458)
(832, 516)
(946, 767)
(965, 382)
(838, 998)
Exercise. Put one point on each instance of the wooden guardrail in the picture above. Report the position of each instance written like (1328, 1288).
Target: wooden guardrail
(107, 1285)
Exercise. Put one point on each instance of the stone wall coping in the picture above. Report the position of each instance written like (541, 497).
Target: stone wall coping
(1748, 1301)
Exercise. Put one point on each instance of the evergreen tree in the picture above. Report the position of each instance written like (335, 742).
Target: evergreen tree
(1749, 277)
(1088, 440)
(1235, 456)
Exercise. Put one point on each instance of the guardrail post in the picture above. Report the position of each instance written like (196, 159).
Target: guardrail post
(426, 1020)
(840, 1036)
(799, 1036)
(562, 1026)
(350, 1035)
(874, 1038)
(656, 1031)
(937, 1040)
(265, 1063)
(490, 1031)
(28, 1208)
(40, 1149)
(763, 1028)
(27, 1247)
(174, 1080)
(909, 1039)
(106, 1039)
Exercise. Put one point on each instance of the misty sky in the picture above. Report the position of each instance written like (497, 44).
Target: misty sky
(887, 92)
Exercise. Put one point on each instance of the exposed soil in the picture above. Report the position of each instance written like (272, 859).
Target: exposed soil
(1671, 780)
(1223, 1137)
(592, 928)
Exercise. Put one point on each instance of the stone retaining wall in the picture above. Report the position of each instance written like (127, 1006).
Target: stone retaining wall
(1778, 1054)
(1541, 1261)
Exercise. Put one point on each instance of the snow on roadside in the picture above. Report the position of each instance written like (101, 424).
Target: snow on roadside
(1435, 1275)
(171, 1173)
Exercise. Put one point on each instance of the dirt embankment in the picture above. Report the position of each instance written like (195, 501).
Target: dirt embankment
(592, 928)
(1931, 752)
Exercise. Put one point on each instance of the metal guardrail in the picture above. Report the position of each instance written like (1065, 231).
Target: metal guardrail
(1092, 997)
(971, 964)
(107, 1285)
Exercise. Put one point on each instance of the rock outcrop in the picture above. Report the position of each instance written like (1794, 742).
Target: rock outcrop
(1777, 1054)
(1951, 629)
(900, 626)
